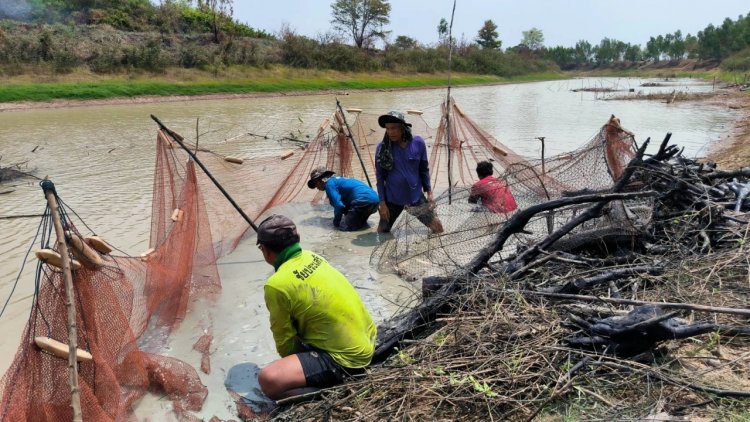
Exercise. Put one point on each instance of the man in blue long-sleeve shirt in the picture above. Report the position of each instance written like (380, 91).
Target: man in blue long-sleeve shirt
(403, 175)
(353, 201)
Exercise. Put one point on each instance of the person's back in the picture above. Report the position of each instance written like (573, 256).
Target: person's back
(493, 192)
(327, 312)
(321, 328)
(349, 193)
(351, 198)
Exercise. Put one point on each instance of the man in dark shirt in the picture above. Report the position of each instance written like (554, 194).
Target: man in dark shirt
(403, 175)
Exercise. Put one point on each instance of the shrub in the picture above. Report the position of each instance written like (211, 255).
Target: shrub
(147, 56)
(193, 56)
(739, 62)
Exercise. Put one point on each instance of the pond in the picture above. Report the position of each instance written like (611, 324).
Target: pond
(101, 160)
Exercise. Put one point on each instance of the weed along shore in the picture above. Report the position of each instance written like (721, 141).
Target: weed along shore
(87, 89)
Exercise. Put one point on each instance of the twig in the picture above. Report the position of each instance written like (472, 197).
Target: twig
(690, 306)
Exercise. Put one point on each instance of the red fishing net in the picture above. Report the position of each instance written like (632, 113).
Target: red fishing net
(127, 307)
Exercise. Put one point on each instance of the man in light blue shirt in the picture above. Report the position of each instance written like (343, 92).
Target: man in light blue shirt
(353, 201)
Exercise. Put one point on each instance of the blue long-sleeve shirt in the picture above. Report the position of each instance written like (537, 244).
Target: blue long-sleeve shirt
(346, 193)
(410, 176)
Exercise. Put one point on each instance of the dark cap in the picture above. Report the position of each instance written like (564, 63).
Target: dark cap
(277, 230)
(318, 173)
(392, 117)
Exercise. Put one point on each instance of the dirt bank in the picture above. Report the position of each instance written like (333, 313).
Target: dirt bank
(733, 149)
(30, 105)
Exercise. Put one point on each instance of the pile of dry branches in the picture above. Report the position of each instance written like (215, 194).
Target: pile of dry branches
(547, 333)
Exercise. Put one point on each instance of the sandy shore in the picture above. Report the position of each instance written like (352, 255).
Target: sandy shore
(733, 149)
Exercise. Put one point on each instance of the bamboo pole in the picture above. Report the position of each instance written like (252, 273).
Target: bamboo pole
(178, 138)
(448, 104)
(75, 397)
(354, 143)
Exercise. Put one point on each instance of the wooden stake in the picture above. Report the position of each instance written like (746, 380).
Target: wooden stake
(75, 396)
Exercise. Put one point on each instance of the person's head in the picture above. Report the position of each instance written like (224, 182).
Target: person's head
(318, 178)
(395, 126)
(484, 169)
(275, 234)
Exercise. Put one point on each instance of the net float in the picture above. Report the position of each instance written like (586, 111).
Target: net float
(61, 350)
(98, 244)
(53, 258)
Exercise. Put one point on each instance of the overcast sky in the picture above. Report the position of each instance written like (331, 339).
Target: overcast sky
(562, 22)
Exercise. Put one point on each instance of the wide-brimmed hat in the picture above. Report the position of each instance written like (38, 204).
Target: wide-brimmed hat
(318, 173)
(392, 117)
(277, 230)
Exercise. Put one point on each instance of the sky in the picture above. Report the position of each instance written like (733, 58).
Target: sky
(562, 22)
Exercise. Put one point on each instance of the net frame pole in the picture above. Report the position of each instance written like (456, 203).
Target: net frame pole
(75, 391)
(354, 144)
(179, 139)
(448, 104)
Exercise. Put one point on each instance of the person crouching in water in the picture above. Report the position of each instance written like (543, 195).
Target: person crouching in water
(494, 193)
(321, 328)
(403, 174)
(353, 201)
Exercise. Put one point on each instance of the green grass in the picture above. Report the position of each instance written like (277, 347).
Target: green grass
(86, 86)
(244, 80)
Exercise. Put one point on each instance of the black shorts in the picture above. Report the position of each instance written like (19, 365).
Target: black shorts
(357, 217)
(322, 371)
(421, 209)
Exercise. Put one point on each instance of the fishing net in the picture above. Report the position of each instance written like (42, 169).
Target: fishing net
(413, 252)
(127, 306)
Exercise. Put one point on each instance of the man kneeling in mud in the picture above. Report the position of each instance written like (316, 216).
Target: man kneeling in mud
(321, 328)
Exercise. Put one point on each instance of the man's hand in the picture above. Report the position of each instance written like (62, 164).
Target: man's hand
(430, 200)
(383, 211)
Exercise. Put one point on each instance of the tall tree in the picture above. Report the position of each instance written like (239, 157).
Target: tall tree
(583, 52)
(442, 29)
(487, 36)
(221, 11)
(533, 39)
(362, 19)
(633, 53)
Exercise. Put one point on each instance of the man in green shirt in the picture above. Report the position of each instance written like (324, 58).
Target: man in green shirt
(321, 328)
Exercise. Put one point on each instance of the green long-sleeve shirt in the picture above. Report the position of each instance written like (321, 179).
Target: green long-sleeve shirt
(309, 299)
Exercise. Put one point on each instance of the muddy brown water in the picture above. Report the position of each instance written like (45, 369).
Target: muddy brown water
(101, 160)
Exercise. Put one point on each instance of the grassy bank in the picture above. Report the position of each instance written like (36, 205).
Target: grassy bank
(87, 86)
(80, 85)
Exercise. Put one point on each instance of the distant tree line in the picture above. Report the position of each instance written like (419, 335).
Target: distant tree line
(719, 44)
(111, 36)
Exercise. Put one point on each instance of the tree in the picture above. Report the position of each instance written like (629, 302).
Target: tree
(405, 43)
(533, 39)
(676, 46)
(583, 52)
(565, 57)
(633, 53)
(221, 11)
(653, 49)
(487, 36)
(362, 19)
(691, 46)
(443, 31)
